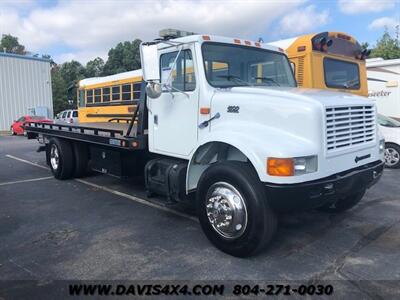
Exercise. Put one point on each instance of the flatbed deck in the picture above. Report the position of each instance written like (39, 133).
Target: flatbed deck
(128, 133)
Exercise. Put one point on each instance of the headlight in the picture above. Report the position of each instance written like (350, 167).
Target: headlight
(292, 166)
(381, 146)
(306, 164)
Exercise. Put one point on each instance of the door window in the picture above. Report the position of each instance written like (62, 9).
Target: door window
(181, 74)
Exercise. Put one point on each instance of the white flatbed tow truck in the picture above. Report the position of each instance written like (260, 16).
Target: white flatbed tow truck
(221, 123)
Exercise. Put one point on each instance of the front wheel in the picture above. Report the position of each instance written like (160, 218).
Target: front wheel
(392, 156)
(233, 209)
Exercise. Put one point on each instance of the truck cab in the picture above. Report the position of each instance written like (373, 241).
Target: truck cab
(229, 104)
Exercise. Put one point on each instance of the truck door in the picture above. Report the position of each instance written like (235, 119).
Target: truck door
(174, 115)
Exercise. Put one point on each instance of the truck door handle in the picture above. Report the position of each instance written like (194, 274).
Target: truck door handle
(205, 123)
(155, 118)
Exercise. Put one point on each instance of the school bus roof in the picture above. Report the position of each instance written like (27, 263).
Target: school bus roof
(116, 77)
(306, 39)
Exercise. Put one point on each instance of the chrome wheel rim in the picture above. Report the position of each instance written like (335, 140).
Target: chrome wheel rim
(392, 157)
(54, 157)
(226, 210)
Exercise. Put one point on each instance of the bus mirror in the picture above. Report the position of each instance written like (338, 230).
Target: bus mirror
(153, 89)
(150, 62)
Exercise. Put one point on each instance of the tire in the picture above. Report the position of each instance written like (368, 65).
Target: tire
(343, 204)
(81, 156)
(392, 156)
(61, 159)
(252, 226)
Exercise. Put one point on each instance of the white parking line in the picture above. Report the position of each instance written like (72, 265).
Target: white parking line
(26, 180)
(115, 192)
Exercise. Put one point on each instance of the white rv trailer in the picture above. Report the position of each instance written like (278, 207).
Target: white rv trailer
(384, 85)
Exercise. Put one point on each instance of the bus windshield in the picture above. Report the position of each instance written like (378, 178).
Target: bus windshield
(228, 65)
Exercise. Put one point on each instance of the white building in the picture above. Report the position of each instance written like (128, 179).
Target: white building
(384, 85)
(25, 88)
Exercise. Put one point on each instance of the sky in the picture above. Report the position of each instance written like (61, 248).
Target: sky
(83, 30)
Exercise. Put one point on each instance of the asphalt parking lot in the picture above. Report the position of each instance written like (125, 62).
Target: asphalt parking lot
(103, 228)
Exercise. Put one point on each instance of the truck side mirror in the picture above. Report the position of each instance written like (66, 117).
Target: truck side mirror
(153, 89)
(150, 62)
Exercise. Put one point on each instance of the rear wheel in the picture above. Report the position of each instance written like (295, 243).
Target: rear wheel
(81, 156)
(61, 158)
(392, 156)
(233, 209)
(343, 204)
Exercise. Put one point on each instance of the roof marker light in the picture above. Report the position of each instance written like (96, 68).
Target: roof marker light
(236, 41)
(248, 43)
(257, 44)
(206, 37)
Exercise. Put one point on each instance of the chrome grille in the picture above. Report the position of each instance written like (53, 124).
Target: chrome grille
(349, 126)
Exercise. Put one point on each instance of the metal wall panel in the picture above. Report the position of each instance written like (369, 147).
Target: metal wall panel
(25, 83)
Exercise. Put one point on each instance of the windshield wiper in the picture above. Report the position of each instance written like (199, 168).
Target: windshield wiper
(235, 78)
(351, 83)
(267, 79)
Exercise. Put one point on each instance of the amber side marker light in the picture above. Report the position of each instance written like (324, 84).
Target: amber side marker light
(280, 166)
(204, 110)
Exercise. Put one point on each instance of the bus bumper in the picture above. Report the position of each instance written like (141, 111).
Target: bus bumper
(317, 193)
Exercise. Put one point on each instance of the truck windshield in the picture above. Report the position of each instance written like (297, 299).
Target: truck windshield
(228, 65)
(341, 74)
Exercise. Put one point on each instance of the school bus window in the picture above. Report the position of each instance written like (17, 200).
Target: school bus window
(97, 95)
(341, 74)
(89, 96)
(126, 92)
(136, 90)
(81, 98)
(116, 93)
(106, 94)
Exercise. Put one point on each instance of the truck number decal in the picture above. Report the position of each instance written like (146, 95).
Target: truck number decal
(233, 109)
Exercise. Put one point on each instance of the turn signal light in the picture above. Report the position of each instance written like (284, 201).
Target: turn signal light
(280, 166)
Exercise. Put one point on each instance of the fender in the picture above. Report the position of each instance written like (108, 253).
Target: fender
(256, 143)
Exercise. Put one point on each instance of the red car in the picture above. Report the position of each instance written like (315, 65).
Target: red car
(16, 127)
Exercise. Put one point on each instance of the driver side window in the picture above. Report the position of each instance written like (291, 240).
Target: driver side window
(182, 75)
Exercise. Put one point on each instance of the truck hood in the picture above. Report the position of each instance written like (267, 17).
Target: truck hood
(326, 98)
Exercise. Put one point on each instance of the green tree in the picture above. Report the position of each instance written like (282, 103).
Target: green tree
(124, 57)
(94, 68)
(63, 77)
(10, 44)
(59, 88)
(386, 47)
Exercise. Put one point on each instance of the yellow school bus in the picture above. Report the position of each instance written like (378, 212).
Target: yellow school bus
(104, 99)
(328, 60)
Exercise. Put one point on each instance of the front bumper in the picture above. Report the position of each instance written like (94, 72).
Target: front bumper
(313, 194)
